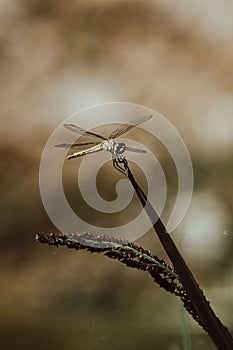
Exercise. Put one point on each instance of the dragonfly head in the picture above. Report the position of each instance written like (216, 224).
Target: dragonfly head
(120, 148)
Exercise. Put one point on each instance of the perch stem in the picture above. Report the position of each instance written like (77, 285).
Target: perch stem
(216, 330)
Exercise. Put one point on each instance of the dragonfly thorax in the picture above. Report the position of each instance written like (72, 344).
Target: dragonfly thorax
(109, 145)
(114, 147)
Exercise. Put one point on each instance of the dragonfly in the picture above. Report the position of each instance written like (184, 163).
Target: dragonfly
(103, 143)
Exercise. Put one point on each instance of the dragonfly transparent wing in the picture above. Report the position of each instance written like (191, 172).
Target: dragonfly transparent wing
(136, 150)
(77, 145)
(81, 131)
(123, 128)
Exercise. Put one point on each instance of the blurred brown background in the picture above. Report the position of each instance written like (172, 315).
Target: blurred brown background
(57, 57)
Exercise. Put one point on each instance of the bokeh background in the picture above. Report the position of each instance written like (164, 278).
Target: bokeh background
(57, 57)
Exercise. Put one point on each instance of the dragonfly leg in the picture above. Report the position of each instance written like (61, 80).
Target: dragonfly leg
(117, 166)
(123, 161)
(117, 161)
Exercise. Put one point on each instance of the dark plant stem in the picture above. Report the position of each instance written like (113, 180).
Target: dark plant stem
(216, 330)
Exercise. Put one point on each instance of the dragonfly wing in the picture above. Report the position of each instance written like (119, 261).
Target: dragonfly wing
(123, 128)
(81, 131)
(96, 148)
(77, 145)
(136, 150)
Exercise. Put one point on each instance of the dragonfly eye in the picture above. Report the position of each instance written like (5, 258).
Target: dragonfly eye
(120, 148)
